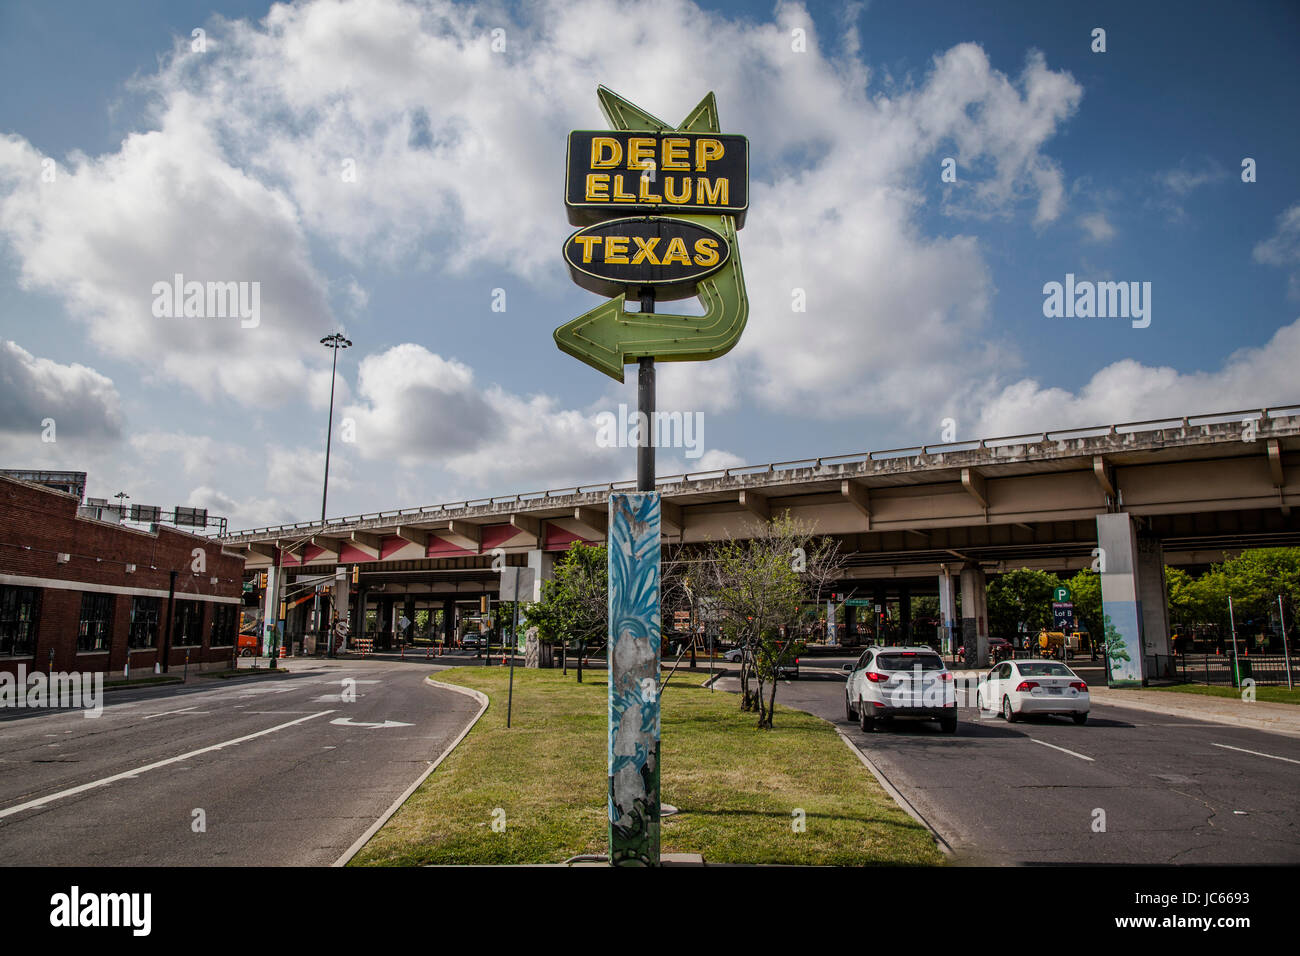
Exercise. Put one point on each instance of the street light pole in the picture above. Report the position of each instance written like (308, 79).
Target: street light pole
(334, 343)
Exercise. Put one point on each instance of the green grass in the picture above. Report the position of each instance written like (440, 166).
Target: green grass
(1271, 695)
(736, 787)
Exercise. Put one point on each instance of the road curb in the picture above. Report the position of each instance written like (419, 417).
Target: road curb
(374, 827)
(944, 846)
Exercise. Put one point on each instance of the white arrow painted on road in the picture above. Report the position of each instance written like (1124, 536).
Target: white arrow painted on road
(349, 722)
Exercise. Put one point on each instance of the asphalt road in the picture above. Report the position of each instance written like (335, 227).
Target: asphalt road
(1172, 790)
(283, 769)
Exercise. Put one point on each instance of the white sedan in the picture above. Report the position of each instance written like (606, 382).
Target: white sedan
(1017, 688)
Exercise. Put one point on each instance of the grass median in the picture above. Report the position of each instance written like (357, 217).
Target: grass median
(737, 788)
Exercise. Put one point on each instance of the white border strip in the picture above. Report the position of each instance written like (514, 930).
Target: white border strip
(482, 698)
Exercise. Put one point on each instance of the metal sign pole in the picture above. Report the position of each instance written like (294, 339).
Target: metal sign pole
(676, 258)
(1236, 661)
(514, 631)
(1286, 654)
(645, 397)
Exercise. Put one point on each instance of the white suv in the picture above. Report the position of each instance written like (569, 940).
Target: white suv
(888, 682)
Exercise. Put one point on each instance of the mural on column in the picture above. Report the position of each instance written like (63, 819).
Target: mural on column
(634, 633)
(1120, 608)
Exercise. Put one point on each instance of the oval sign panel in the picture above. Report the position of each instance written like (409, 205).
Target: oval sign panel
(672, 255)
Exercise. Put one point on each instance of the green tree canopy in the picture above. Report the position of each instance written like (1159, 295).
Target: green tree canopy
(575, 602)
(1020, 601)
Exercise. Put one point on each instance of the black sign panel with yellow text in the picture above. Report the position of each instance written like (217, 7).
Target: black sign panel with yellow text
(671, 255)
(612, 172)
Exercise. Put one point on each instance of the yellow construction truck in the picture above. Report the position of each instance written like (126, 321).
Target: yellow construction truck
(1051, 642)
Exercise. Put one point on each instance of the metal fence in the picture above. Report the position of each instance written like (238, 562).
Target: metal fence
(1217, 670)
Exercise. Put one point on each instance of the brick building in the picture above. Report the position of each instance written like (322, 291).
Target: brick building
(100, 595)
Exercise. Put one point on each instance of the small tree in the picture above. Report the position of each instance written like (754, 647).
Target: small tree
(575, 602)
(757, 587)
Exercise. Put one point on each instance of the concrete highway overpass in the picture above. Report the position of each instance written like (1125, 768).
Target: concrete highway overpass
(908, 519)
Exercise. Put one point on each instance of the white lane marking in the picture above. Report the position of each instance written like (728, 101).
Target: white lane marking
(128, 774)
(1256, 753)
(349, 722)
(168, 713)
(1062, 750)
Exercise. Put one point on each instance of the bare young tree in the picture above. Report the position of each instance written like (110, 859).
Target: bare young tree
(758, 586)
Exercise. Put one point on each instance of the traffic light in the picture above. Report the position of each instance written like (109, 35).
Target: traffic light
(261, 580)
(356, 574)
(483, 604)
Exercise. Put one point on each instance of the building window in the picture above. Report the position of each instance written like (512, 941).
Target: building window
(186, 628)
(95, 631)
(144, 622)
(19, 609)
(224, 620)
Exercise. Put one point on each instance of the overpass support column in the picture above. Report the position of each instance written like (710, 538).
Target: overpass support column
(1135, 604)
(905, 611)
(948, 610)
(543, 565)
(359, 622)
(850, 624)
(449, 622)
(974, 616)
(878, 605)
(272, 634)
(342, 597)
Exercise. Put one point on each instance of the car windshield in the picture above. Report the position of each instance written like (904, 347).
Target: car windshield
(907, 661)
(1047, 669)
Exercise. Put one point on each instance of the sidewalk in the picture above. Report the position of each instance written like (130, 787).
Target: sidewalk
(1255, 715)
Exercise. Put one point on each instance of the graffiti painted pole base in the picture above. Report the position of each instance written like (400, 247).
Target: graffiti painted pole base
(634, 634)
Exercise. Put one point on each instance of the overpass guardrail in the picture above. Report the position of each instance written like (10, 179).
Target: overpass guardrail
(451, 509)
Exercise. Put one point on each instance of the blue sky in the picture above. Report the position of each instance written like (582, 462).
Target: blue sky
(924, 298)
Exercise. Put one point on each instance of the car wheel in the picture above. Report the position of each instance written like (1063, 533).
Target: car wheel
(1007, 712)
(246, 653)
(948, 725)
(1080, 719)
(849, 712)
(868, 724)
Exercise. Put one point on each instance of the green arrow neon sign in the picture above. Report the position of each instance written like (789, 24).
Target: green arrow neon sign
(608, 337)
